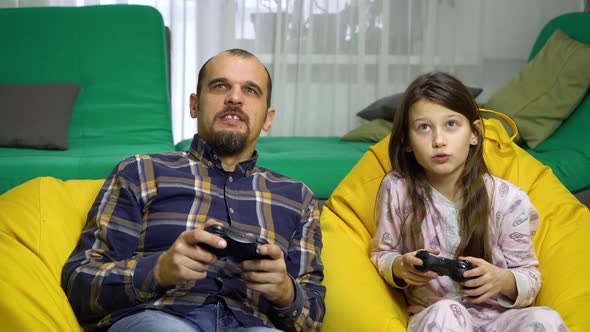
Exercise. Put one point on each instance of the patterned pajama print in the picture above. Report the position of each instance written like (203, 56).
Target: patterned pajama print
(440, 305)
(450, 315)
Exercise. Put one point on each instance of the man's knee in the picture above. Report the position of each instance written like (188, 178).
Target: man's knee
(151, 321)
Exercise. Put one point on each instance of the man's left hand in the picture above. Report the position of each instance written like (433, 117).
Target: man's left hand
(269, 276)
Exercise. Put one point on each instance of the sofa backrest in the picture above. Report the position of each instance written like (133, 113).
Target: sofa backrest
(117, 53)
(575, 25)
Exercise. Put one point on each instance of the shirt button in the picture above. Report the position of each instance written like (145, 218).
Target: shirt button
(209, 163)
(231, 179)
(231, 210)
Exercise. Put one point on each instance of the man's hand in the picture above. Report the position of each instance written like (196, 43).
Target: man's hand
(269, 276)
(185, 260)
(403, 268)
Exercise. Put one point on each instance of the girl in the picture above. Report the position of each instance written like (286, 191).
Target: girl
(439, 195)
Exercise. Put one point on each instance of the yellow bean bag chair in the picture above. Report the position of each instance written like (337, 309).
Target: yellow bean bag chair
(41, 221)
(358, 299)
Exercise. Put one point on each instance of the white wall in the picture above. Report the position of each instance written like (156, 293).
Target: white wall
(521, 22)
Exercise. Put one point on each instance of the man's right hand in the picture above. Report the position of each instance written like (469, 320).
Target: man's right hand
(185, 260)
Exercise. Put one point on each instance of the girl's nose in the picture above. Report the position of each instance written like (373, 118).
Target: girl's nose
(438, 139)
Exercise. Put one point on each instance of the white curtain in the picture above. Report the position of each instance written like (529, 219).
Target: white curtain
(331, 58)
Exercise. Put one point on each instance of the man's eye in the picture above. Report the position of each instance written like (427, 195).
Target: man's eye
(219, 86)
(251, 91)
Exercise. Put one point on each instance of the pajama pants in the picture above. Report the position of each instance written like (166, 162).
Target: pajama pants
(450, 315)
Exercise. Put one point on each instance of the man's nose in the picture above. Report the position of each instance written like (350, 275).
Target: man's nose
(234, 95)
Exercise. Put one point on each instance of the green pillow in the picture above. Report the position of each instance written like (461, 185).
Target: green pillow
(546, 90)
(373, 131)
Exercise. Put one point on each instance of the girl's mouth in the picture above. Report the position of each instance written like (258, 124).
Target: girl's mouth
(441, 157)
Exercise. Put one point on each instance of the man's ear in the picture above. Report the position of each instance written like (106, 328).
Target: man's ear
(270, 116)
(194, 105)
(475, 134)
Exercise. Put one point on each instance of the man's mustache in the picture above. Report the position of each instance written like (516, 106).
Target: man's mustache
(235, 110)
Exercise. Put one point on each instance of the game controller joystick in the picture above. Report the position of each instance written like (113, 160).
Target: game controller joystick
(240, 247)
(443, 266)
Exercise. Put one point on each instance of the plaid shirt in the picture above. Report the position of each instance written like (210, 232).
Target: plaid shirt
(148, 200)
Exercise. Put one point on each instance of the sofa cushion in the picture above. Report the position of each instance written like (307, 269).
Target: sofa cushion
(36, 115)
(78, 162)
(546, 90)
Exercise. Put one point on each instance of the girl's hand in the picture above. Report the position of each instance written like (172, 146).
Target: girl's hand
(488, 280)
(403, 268)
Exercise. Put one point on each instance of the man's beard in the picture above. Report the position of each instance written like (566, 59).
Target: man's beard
(229, 143)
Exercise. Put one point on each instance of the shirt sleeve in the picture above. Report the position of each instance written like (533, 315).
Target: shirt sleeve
(103, 274)
(519, 221)
(387, 242)
(306, 269)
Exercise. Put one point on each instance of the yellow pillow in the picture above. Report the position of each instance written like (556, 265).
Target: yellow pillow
(40, 223)
(348, 225)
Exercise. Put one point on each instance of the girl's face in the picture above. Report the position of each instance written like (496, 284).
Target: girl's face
(439, 138)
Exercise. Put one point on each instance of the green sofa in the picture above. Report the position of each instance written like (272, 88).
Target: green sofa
(117, 55)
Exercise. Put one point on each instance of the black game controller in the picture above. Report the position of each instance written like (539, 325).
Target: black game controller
(239, 247)
(443, 266)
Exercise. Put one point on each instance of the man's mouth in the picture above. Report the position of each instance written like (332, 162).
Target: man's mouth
(231, 117)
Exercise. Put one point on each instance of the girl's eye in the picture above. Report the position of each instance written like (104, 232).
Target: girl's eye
(452, 123)
(423, 127)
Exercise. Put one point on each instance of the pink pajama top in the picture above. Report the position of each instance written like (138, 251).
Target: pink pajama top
(513, 222)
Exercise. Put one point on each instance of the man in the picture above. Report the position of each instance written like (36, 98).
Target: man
(141, 263)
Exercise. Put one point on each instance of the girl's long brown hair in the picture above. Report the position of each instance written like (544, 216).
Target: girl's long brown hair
(445, 90)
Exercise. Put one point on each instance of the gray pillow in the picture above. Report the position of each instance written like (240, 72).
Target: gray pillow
(385, 107)
(36, 115)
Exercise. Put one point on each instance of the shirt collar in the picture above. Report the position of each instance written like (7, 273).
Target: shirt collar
(437, 196)
(203, 152)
